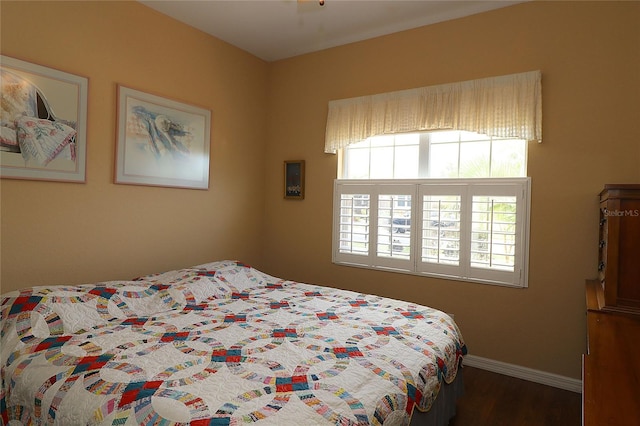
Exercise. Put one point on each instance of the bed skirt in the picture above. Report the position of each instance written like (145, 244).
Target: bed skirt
(444, 407)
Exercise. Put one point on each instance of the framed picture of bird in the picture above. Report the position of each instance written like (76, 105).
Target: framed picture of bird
(161, 142)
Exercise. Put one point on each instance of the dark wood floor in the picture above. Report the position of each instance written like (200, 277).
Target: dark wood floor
(494, 399)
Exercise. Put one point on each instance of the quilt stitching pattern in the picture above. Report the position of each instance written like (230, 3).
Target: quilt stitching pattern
(219, 344)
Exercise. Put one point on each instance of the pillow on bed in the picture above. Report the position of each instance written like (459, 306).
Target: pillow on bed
(192, 283)
(42, 140)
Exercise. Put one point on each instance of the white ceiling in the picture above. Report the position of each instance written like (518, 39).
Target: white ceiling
(278, 29)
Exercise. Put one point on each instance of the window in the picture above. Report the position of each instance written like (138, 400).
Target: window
(440, 154)
(469, 229)
(438, 202)
(451, 204)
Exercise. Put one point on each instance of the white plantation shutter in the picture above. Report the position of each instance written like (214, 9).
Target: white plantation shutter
(469, 229)
(442, 228)
(394, 236)
(498, 223)
(354, 217)
(372, 224)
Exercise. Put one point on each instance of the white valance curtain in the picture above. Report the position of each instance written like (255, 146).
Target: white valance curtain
(507, 106)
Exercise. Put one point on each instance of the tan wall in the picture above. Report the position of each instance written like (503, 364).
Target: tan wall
(588, 53)
(54, 233)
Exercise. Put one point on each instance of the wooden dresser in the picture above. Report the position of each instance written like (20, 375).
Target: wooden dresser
(611, 367)
(619, 248)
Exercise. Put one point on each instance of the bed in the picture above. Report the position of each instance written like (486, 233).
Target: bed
(223, 344)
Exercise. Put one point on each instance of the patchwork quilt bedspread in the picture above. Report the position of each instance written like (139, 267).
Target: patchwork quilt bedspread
(219, 344)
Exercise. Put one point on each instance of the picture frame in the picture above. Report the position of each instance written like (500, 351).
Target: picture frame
(161, 141)
(43, 128)
(294, 179)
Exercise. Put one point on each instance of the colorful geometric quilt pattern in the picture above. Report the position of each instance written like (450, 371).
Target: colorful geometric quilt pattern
(219, 344)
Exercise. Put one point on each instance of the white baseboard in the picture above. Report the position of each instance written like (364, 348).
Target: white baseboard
(549, 379)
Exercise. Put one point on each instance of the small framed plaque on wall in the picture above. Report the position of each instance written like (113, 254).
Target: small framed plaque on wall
(294, 179)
